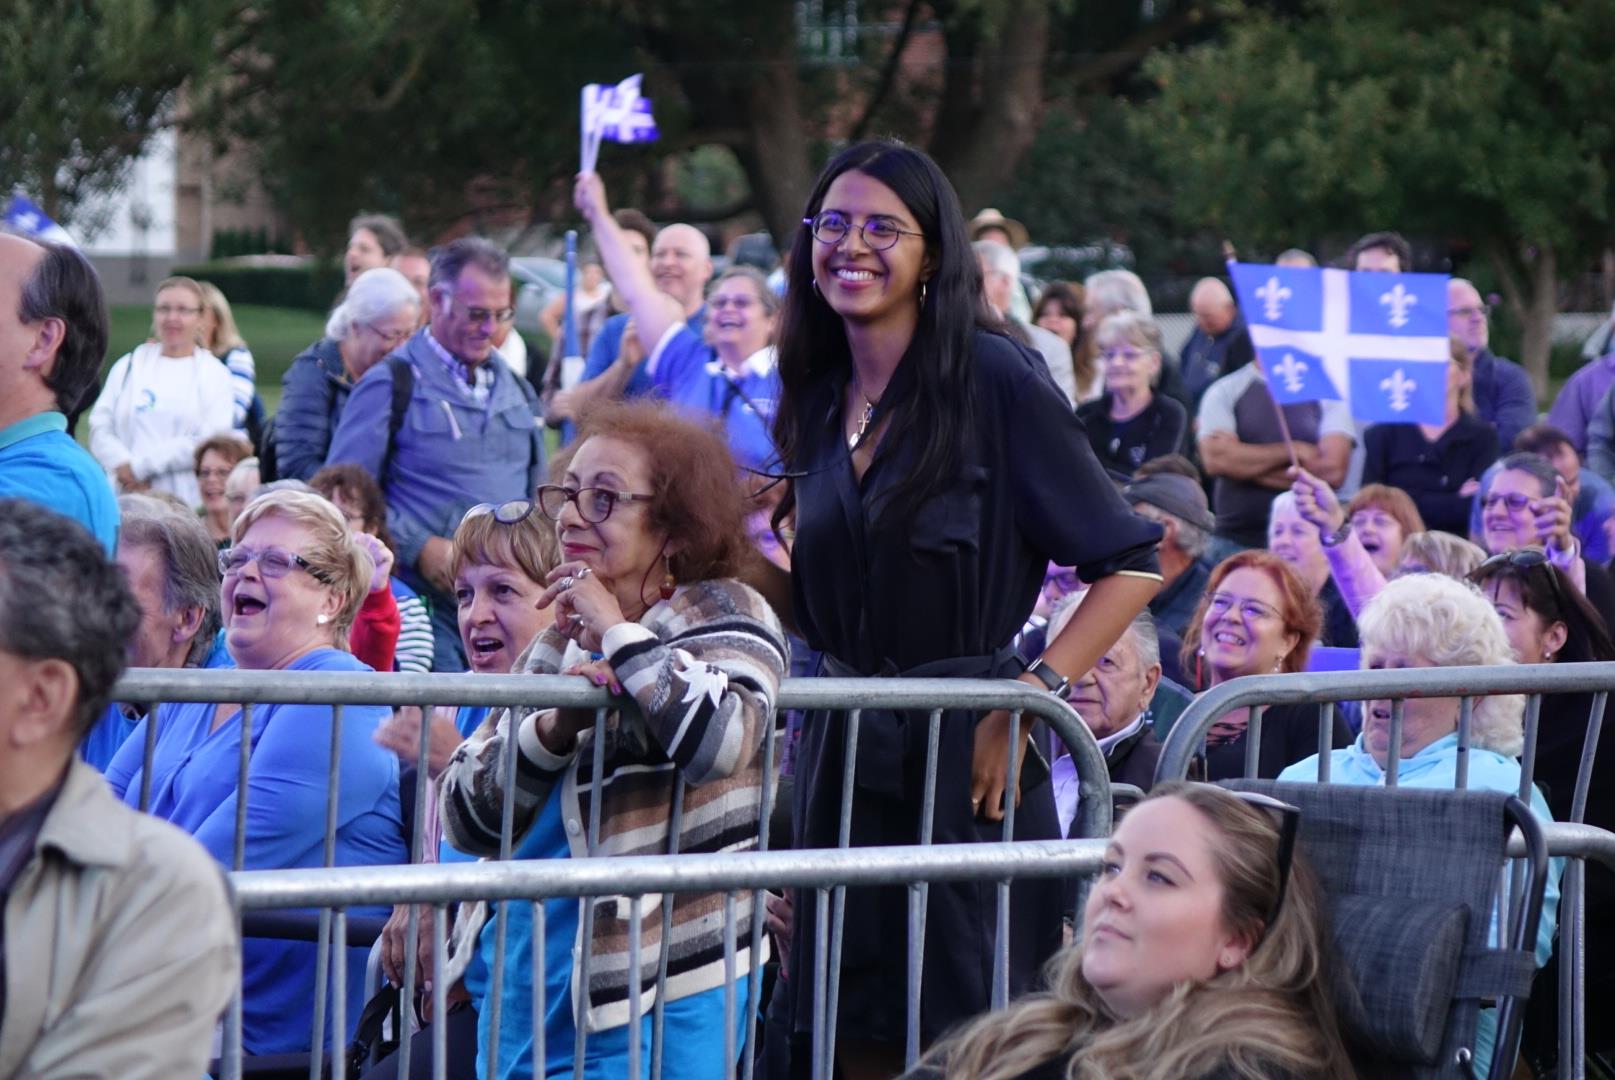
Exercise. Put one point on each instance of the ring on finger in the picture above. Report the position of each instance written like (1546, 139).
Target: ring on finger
(567, 582)
(585, 572)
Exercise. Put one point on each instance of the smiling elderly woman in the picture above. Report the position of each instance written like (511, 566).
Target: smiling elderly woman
(1424, 621)
(650, 523)
(294, 578)
(1202, 956)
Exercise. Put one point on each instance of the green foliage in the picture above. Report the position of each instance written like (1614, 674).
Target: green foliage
(85, 83)
(231, 242)
(310, 287)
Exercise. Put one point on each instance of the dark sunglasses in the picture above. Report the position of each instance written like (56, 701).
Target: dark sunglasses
(1289, 823)
(1519, 563)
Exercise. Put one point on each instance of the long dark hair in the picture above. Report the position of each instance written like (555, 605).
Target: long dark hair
(813, 340)
(1548, 591)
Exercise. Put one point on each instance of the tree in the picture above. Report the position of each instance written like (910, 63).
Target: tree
(85, 83)
(1480, 125)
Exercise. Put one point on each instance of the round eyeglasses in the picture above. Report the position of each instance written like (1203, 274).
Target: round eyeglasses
(594, 504)
(272, 563)
(879, 233)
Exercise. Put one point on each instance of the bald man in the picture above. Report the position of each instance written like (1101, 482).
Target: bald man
(1220, 343)
(681, 264)
(1503, 393)
(53, 337)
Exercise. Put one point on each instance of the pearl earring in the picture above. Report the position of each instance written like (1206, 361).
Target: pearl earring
(321, 619)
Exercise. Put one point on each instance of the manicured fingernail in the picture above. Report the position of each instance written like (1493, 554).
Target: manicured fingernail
(599, 680)
(616, 688)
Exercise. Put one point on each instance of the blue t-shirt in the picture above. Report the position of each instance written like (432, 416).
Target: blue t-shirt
(115, 726)
(692, 1033)
(687, 371)
(194, 774)
(603, 351)
(40, 462)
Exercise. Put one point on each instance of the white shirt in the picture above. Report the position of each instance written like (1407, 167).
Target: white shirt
(1068, 785)
(152, 412)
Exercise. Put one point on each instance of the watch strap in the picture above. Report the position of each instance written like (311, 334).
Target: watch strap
(1056, 683)
(1337, 537)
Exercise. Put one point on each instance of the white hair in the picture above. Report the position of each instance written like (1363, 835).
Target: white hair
(374, 294)
(1117, 290)
(1283, 501)
(1450, 624)
(1145, 637)
(999, 257)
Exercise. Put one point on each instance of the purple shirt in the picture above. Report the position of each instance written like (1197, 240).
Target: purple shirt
(1579, 398)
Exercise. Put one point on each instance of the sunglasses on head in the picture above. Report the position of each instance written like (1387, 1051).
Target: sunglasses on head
(1289, 823)
(1519, 563)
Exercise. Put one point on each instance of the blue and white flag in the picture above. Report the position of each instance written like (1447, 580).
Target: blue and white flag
(615, 113)
(24, 217)
(1376, 341)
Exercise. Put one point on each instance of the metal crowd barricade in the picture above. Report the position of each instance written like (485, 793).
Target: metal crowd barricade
(527, 692)
(1572, 839)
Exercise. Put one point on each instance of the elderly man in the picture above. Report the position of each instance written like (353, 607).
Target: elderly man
(53, 337)
(172, 568)
(119, 946)
(1503, 394)
(1179, 505)
(1112, 700)
(1001, 275)
(469, 435)
(1219, 344)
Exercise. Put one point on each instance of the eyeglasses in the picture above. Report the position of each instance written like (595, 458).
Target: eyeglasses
(1127, 353)
(594, 504)
(879, 233)
(1522, 561)
(393, 338)
(1471, 312)
(165, 310)
(479, 315)
(272, 563)
(1514, 500)
(739, 303)
(1253, 610)
(510, 512)
(1289, 824)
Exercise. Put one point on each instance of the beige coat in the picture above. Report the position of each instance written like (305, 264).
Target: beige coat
(121, 947)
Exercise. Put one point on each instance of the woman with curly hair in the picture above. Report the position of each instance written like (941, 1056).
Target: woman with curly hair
(1202, 955)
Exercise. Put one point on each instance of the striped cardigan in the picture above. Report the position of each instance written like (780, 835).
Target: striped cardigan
(704, 668)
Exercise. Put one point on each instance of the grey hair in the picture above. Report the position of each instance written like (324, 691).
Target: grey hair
(1118, 290)
(1142, 631)
(63, 285)
(1192, 540)
(453, 257)
(765, 296)
(1000, 257)
(1284, 500)
(61, 598)
(1134, 327)
(1451, 624)
(190, 562)
(1535, 464)
(374, 294)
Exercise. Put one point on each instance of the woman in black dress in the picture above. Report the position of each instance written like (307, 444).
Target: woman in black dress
(935, 471)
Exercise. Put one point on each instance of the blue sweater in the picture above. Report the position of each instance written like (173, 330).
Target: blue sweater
(194, 775)
(687, 371)
(315, 391)
(40, 462)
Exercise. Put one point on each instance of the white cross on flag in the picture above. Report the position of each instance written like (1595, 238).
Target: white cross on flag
(1376, 341)
(24, 217)
(617, 113)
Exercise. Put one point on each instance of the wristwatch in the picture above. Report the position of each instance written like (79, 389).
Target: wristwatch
(1336, 537)
(1057, 684)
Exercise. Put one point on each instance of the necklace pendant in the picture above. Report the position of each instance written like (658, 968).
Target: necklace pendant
(863, 427)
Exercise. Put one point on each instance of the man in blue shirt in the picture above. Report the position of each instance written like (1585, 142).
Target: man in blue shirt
(53, 337)
(469, 434)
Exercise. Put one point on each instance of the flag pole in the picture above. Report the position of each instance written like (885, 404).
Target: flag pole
(571, 353)
(1230, 256)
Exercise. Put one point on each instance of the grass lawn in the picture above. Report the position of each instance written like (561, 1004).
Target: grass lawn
(275, 336)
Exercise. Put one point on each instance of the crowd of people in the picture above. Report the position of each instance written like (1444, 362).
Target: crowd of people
(897, 457)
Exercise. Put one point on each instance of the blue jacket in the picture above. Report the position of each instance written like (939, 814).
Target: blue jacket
(40, 462)
(450, 454)
(194, 786)
(1503, 395)
(315, 391)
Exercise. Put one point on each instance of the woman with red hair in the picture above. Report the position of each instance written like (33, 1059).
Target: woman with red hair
(1256, 618)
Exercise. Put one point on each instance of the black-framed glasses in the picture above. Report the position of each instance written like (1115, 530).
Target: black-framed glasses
(1289, 825)
(272, 563)
(879, 233)
(479, 315)
(1514, 500)
(1471, 311)
(1523, 560)
(594, 504)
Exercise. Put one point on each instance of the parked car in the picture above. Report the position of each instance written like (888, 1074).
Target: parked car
(539, 280)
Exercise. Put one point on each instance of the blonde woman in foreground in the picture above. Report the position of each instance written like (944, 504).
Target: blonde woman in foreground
(1202, 956)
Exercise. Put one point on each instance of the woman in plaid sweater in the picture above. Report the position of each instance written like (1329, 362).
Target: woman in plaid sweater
(649, 518)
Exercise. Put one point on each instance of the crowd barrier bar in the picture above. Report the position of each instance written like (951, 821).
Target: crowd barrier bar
(526, 692)
(1325, 689)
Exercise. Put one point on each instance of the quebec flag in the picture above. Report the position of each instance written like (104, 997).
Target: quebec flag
(24, 217)
(1376, 341)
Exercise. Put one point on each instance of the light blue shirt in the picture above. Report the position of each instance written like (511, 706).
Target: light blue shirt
(40, 462)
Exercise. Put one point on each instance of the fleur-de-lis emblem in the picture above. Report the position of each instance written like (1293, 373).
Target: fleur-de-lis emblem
(1272, 295)
(1400, 389)
(1399, 300)
(1291, 370)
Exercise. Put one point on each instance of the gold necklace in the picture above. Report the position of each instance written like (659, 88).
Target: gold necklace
(864, 420)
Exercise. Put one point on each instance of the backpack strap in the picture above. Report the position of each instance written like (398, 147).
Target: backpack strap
(403, 387)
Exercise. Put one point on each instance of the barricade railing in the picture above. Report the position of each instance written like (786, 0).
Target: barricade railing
(522, 693)
(1186, 741)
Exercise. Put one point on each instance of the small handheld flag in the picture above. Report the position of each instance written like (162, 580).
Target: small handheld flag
(616, 113)
(24, 217)
(1376, 341)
